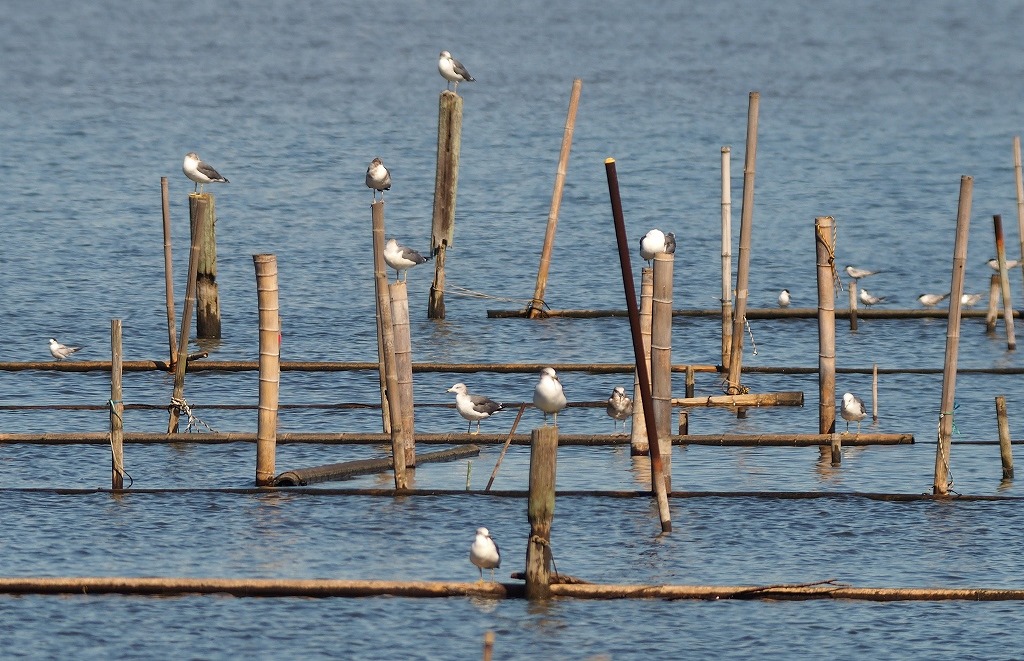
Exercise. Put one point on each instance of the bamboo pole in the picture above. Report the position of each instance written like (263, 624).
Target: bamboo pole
(1019, 180)
(172, 328)
(661, 358)
(207, 298)
(853, 305)
(504, 448)
(116, 409)
(446, 183)
(1004, 283)
(403, 365)
(992, 313)
(761, 313)
(178, 392)
(488, 646)
(941, 484)
(1005, 450)
(385, 410)
(795, 398)
(540, 510)
(825, 250)
(726, 255)
(536, 307)
(874, 392)
(270, 366)
(743, 263)
(638, 428)
(303, 476)
(657, 474)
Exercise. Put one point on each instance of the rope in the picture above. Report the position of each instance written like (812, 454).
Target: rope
(942, 455)
(458, 290)
(537, 539)
(182, 406)
(837, 282)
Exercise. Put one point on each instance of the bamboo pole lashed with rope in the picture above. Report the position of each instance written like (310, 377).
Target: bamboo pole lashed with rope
(270, 367)
(825, 252)
(178, 403)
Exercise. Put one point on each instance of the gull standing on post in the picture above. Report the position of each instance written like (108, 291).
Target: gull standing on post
(784, 299)
(378, 178)
(60, 351)
(857, 273)
(868, 299)
(401, 258)
(852, 409)
(620, 407)
(655, 242)
(548, 395)
(452, 70)
(484, 553)
(473, 407)
(200, 172)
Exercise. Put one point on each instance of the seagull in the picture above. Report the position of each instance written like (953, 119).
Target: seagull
(484, 553)
(852, 409)
(401, 258)
(970, 300)
(200, 172)
(1010, 263)
(655, 242)
(620, 407)
(857, 273)
(867, 299)
(60, 351)
(378, 178)
(784, 299)
(452, 70)
(473, 407)
(548, 395)
(931, 300)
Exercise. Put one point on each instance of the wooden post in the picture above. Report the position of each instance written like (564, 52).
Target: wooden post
(1004, 283)
(536, 307)
(726, 255)
(207, 300)
(392, 393)
(992, 313)
(661, 359)
(853, 305)
(940, 485)
(270, 367)
(540, 510)
(837, 449)
(684, 423)
(874, 392)
(178, 393)
(690, 380)
(446, 183)
(825, 250)
(1020, 197)
(743, 263)
(488, 645)
(638, 430)
(172, 326)
(403, 366)
(1005, 451)
(116, 409)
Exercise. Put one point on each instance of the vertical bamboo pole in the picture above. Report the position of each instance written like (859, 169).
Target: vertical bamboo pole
(874, 392)
(540, 510)
(992, 314)
(726, 255)
(825, 250)
(1004, 283)
(1019, 180)
(536, 307)
(178, 393)
(116, 409)
(392, 392)
(1005, 451)
(743, 262)
(270, 366)
(488, 645)
(853, 305)
(657, 474)
(207, 299)
(638, 430)
(403, 366)
(940, 485)
(661, 359)
(446, 183)
(172, 329)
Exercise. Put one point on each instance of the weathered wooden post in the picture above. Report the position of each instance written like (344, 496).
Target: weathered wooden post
(992, 312)
(403, 366)
(1004, 283)
(825, 250)
(116, 409)
(446, 183)
(178, 393)
(488, 645)
(853, 305)
(207, 300)
(536, 307)
(172, 326)
(1005, 451)
(690, 380)
(269, 367)
(661, 359)
(638, 429)
(726, 255)
(541, 510)
(940, 485)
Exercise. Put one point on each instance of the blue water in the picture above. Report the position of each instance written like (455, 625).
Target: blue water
(869, 112)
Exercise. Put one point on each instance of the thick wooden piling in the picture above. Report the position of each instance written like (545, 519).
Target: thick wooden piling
(1019, 180)
(540, 511)
(270, 367)
(690, 381)
(743, 261)
(638, 428)
(446, 182)
(172, 328)
(726, 255)
(1005, 451)
(941, 485)
(536, 307)
(207, 298)
(1004, 283)
(661, 359)
(178, 392)
(825, 251)
(403, 365)
(853, 304)
(116, 409)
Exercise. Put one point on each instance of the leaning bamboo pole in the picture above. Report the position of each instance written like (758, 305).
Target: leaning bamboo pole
(1004, 282)
(172, 342)
(270, 366)
(178, 391)
(116, 409)
(726, 255)
(825, 252)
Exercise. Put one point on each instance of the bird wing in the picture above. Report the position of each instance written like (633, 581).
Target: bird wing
(482, 404)
(413, 255)
(207, 170)
(461, 70)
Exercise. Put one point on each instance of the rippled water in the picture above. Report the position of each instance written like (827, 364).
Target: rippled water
(870, 112)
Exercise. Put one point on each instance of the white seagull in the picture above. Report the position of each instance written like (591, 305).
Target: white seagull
(655, 242)
(784, 298)
(401, 258)
(473, 407)
(1010, 263)
(548, 395)
(867, 299)
(452, 70)
(620, 407)
(60, 351)
(378, 178)
(484, 553)
(200, 172)
(852, 410)
(970, 300)
(857, 273)
(931, 300)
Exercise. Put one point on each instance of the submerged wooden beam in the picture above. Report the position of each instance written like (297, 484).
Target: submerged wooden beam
(760, 313)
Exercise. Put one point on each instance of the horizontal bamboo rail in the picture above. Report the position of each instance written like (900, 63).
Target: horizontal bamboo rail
(303, 476)
(760, 313)
(795, 398)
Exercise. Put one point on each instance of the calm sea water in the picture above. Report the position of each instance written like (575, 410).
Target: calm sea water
(870, 112)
